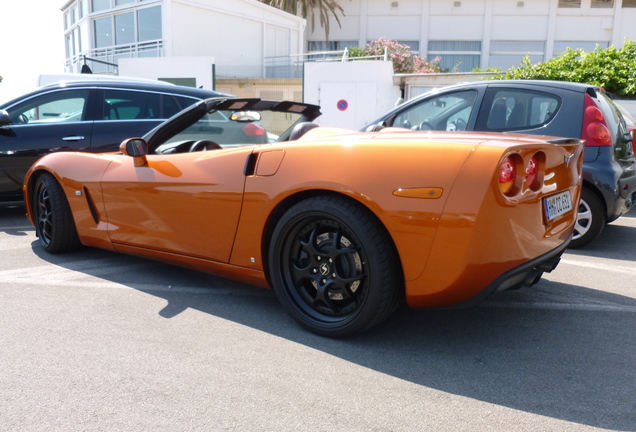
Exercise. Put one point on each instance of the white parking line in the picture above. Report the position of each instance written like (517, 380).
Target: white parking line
(628, 270)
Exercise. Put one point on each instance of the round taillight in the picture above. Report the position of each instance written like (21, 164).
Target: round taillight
(507, 175)
(594, 131)
(599, 133)
(594, 114)
(532, 171)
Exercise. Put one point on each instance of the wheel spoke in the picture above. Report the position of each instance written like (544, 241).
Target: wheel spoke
(326, 269)
(583, 221)
(44, 214)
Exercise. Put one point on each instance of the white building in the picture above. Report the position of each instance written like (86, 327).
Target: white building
(236, 33)
(186, 34)
(482, 33)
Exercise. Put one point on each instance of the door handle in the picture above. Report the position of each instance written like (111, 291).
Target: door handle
(73, 138)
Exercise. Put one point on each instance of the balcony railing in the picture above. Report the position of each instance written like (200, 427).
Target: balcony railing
(105, 60)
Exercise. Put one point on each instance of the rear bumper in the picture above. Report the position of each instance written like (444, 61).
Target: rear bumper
(526, 274)
(627, 187)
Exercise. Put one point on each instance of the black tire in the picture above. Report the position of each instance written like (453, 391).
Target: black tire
(333, 267)
(590, 219)
(52, 215)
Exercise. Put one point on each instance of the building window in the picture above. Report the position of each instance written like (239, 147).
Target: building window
(103, 32)
(83, 8)
(149, 24)
(569, 3)
(84, 36)
(505, 54)
(100, 5)
(629, 3)
(462, 56)
(124, 28)
(561, 47)
(330, 45)
(123, 33)
(414, 46)
(602, 3)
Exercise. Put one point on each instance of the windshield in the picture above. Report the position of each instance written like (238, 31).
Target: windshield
(255, 122)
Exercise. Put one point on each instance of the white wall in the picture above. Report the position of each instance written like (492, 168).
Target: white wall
(364, 88)
(629, 105)
(234, 32)
(154, 68)
(481, 20)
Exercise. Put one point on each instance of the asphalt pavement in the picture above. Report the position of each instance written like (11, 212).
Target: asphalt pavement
(96, 341)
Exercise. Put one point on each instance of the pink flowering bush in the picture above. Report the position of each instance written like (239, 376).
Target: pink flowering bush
(404, 61)
(421, 65)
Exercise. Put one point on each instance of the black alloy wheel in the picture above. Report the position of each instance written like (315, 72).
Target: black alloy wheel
(52, 215)
(333, 267)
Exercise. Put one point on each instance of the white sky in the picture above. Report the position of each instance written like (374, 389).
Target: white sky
(32, 41)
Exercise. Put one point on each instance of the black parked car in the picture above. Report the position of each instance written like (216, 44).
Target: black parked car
(87, 115)
(560, 109)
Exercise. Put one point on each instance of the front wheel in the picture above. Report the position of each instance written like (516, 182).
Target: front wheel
(590, 219)
(52, 215)
(333, 267)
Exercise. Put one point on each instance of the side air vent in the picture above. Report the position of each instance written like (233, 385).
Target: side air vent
(91, 205)
(250, 165)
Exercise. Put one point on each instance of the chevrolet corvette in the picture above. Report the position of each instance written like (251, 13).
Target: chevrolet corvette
(344, 226)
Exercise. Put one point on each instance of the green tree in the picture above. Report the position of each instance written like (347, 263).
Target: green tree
(324, 9)
(611, 68)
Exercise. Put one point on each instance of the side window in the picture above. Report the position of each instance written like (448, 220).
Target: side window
(185, 102)
(56, 107)
(443, 112)
(509, 110)
(132, 105)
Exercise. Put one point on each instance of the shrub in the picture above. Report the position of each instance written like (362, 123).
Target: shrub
(399, 54)
(612, 68)
(356, 51)
(404, 61)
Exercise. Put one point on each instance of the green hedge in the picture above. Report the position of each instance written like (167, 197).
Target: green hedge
(613, 69)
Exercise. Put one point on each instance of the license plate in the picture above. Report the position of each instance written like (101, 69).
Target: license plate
(558, 204)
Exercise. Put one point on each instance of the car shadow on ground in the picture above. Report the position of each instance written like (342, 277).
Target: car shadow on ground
(517, 350)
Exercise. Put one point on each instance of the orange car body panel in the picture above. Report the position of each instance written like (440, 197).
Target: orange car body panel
(200, 209)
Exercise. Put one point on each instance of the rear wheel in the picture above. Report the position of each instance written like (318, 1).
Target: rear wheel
(590, 219)
(54, 223)
(333, 267)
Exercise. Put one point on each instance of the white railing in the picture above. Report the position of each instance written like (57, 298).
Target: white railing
(105, 59)
(298, 59)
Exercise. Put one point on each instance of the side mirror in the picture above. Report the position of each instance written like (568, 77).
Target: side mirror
(4, 118)
(137, 148)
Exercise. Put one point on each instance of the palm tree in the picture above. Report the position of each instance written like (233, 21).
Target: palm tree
(301, 7)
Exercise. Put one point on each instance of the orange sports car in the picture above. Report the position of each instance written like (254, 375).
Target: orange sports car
(343, 226)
